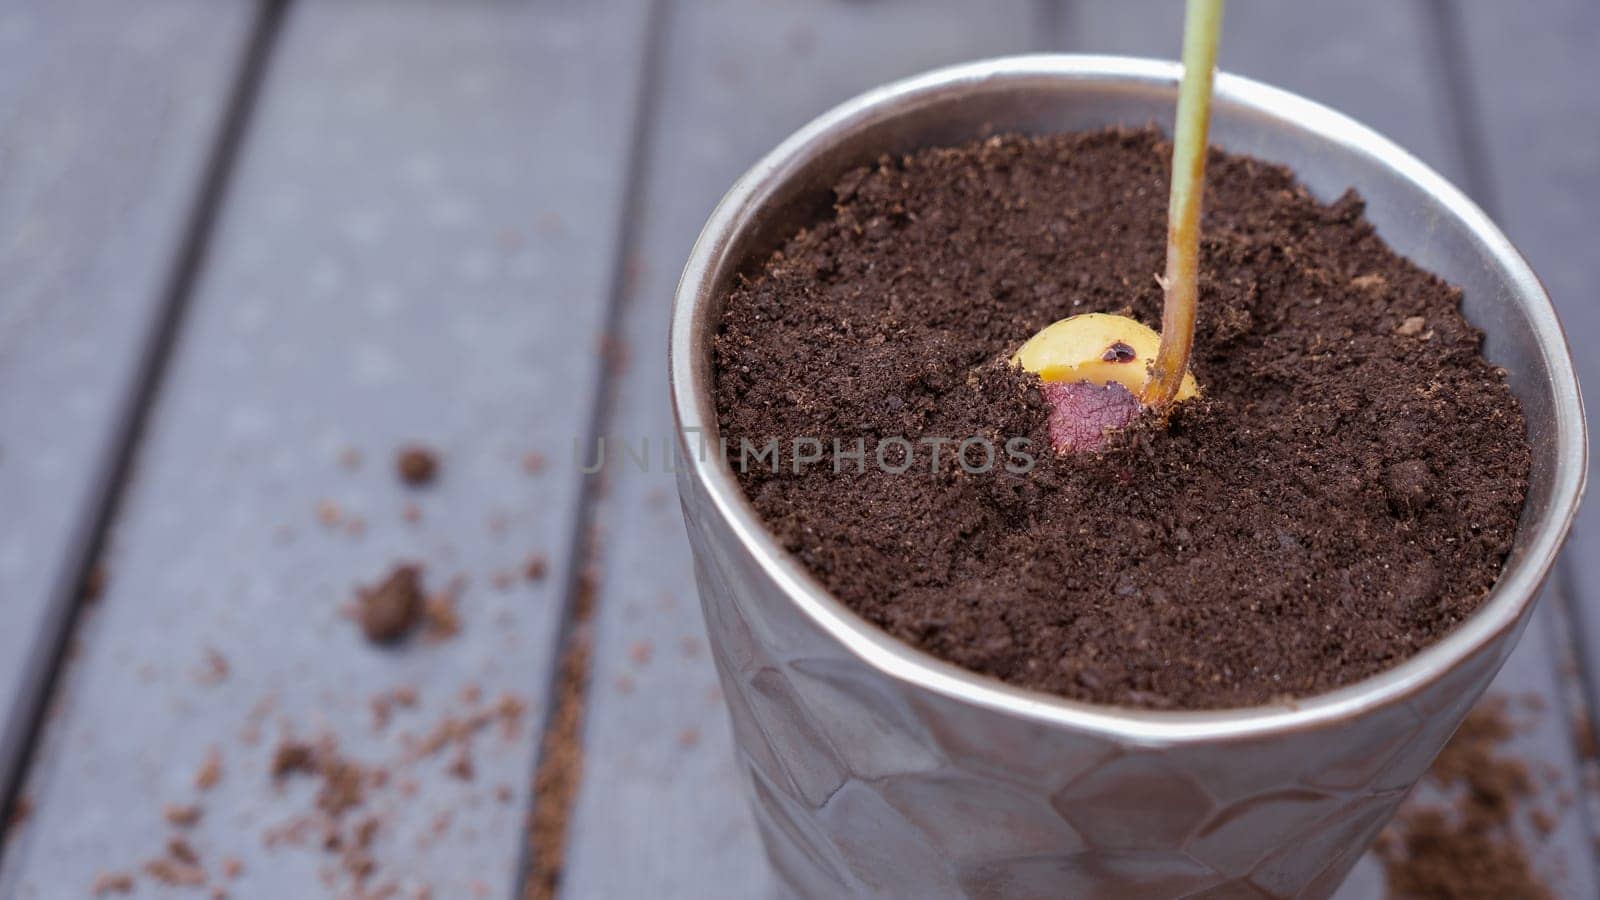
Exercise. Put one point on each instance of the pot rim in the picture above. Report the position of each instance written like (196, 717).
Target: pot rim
(694, 411)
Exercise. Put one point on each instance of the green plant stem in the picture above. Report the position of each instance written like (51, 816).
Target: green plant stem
(1202, 25)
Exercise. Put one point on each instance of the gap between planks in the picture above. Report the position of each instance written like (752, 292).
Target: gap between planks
(49, 651)
(572, 663)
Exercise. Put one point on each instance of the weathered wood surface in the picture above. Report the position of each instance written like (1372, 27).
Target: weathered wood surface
(417, 245)
(1368, 58)
(108, 113)
(660, 788)
(420, 244)
(1532, 74)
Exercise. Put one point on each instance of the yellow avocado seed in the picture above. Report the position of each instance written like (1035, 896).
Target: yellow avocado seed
(1098, 348)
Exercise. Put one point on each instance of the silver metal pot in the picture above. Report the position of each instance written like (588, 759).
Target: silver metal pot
(878, 770)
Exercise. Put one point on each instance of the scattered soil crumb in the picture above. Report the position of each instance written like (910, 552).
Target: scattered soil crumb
(384, 704)
(382, 707)
(389, 611)
(350, 458)
(502, 580)
(461, 765)
(533, 462)
(457, 729)
(417, 465)
(179, 868)
(344, 787)
(412, 513)
(536, 568)
(183, 815)
(108, 883)
(641, 652)
(210, 771)
(1469, 851)
(441, 619)
(329, 513)
(293, 757)
(441, 823)
(214, 668)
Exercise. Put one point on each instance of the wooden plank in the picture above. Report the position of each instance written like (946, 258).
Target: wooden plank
(108, 114)
(1366, 58)
(1532, 71)
(1378, 61)
(418, 245)
(660, 787)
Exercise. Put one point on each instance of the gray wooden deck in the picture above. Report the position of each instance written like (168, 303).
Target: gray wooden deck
(250, 248)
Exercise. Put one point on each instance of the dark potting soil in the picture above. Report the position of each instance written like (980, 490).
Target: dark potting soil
(1342, 494)
(389, 611)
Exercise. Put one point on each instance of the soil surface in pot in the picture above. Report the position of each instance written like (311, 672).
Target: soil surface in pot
(1342, 494)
